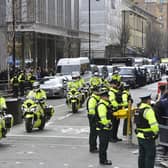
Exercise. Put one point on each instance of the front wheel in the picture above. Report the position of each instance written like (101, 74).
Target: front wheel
(28, 124)
(42, 123)
(74, 108)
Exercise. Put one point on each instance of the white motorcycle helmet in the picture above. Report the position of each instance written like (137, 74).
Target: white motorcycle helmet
(75, 75)
(36, 86)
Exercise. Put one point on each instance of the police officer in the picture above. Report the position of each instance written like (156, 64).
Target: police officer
(115, 100)
(116, 76)
(95, 80)
(91, 107)
(22, 79)
(2, 103)
(74, 84)
(104, 125)
(146, 131)
(31, 79)
(126, 97)
(15, 85)
(161, 109)
(37, 94)
(3, 109)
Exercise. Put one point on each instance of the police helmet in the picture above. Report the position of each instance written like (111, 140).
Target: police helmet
(126, 86)
(116, 72)
(75, 75)
(145, 97)
(96, 73)
(36, 85)
(103, 91)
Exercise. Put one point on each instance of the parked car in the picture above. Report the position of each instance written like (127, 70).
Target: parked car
(111, 69)
(146, 75)
(128, 75)
(158, 74)
(151, 71)
(54, 86)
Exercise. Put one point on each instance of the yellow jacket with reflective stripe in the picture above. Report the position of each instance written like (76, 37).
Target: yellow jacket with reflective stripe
(149, 115)
(2, 103)
(41, 94)
(92, 102)
(116, 77)
(112, 97)
(94, 81)
(102, 113)
(125, 96)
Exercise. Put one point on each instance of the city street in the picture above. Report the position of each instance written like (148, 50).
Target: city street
(64, 142)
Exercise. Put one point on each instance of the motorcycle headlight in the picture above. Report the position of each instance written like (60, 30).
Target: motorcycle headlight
(23, 109)
(33, 109)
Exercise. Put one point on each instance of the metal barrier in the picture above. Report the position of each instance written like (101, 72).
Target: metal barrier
(5, 88)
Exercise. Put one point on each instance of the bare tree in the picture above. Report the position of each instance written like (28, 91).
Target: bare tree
(122, 34)
(154, 41)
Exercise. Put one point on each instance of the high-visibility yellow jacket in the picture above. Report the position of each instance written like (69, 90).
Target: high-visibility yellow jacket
(2, 103)
(148, 115)
(91, 104)
(103, 122)
(95, 81)
(112, 98)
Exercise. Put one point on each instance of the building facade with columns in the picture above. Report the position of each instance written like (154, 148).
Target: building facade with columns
(46, 30)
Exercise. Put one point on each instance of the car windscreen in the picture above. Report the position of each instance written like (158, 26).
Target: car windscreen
(68, 69)
(125, 71)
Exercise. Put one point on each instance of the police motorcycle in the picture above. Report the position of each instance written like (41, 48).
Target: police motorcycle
(73, 100)
(86, 90)
(33, 115)
(48, 109)
(6, 122)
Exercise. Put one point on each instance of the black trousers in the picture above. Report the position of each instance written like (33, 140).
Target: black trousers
(93, 133)
(147, 152)
(115, 126)
(104, 136)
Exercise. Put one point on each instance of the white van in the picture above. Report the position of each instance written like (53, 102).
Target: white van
(66, 66)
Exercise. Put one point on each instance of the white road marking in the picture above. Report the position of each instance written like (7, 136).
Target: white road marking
(47, 136)
(59, 118)
(59, 105)
(63, 117)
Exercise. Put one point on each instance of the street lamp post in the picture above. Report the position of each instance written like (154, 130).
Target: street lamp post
(14, 35)
(89, 35)
(124, 36)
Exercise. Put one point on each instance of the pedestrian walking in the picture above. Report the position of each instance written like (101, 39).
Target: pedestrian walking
(146, 131)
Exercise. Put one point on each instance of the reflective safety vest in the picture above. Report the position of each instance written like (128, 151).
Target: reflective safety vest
(95, 81)
(115, 98)
(146, 123)
(92, 103)
(103, 115)
(2, 103)
(15, 81)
